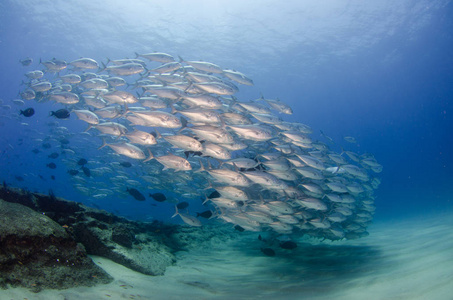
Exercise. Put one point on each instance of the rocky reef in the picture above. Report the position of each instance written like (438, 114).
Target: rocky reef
(43, 238)
(36, 252)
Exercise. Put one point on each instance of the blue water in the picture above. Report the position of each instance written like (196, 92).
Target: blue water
(379, 71)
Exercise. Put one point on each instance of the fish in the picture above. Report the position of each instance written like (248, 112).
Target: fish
(126, 149)
(158, 119)
(159, 197)
(73, 172)
(188, 131)
(184, 142)
(87, 116)
(64, 97)
(141, 138)
(51, 165)
(136, 194)
(237, 77)
(86, 171)
(27, 112)
(157, 56)
(268, 251)
(289, 245)
(205, 214)
(167, 68)
(252, 132)
(71, 78)
(54, 65)
(188, 219)
(26, 61)
(119, 97)
(182, 205)
(172, 161)
(82, 162)
(126, 164)
(61, 114)
(350, 139)
(124, 69)
(84, 63)
(36, 74)
(203, 66)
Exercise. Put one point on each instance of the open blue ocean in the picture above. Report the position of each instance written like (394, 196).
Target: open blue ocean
(379, 73)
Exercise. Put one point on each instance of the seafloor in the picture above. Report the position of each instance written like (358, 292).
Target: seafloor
(400, 259)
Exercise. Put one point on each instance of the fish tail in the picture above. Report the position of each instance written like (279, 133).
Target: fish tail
(176, 212)
(201, 167)
(158, 135)
(104, 143)
(206, 200)
(150, 157)
(103, 67)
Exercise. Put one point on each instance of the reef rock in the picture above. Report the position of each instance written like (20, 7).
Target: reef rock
(37, 253)
(136, 245)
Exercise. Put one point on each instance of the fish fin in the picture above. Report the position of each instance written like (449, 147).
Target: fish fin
(101, 69)
(158, 135)
(150, 156)
(201, 167)
(104, 143)
(214, 214)
(180, 59)
(207, 199)
(176, 212)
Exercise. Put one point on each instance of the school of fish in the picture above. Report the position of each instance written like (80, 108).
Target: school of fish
(181, 125)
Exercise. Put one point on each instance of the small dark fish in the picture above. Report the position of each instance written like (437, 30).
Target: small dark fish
(19, 178)
(126, 164)
(159, 197)
(46, 145)
(28, 112)
(136, 194)
(182, 205)
(40, 176)
(52, 165)
(289, 245)
(206, 214)
(239, 228)
(86, 171)
(26, 61)
(61, 113)
(260, 238)
(268, 251)
(64, 141)
(73, 172)
(35, 151)
(82, 162)
(214, 194)
(52, 177)
(53, 155)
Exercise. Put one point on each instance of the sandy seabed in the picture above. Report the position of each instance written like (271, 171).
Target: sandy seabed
(401, 259)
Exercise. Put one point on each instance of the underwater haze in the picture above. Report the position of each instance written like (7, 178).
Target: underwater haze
(380, 72)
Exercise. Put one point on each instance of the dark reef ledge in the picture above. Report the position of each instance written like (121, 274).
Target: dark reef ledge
(44, 241)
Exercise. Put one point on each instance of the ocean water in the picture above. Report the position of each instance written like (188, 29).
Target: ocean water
(379, 71)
